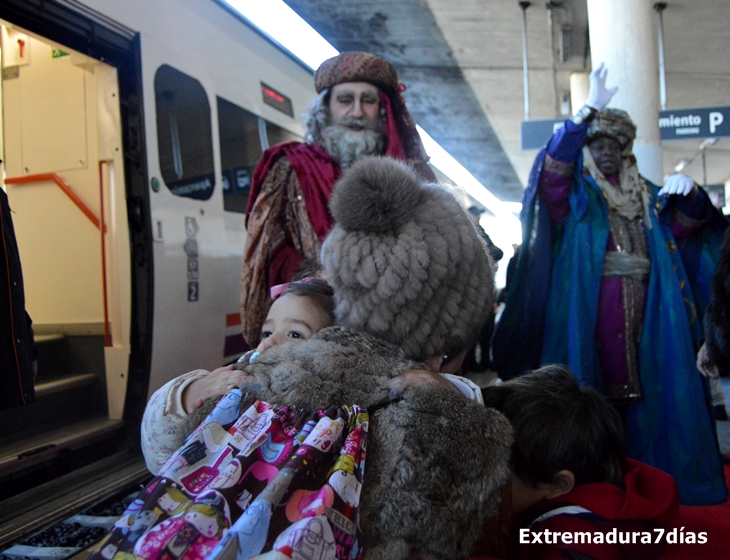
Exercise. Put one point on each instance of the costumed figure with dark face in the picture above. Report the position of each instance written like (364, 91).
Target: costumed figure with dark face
(359, 111)
(612, 279)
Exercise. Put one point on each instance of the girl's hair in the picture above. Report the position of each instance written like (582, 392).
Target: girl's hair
(317, 290)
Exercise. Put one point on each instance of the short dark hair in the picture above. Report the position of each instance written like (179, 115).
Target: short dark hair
(560, 425)
(315, 289)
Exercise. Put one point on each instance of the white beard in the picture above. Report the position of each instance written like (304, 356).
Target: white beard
(347, 145)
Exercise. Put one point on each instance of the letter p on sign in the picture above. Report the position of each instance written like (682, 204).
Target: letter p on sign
(715, 120)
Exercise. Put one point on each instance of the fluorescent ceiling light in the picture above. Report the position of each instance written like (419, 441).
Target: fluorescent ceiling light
(445, 163)
(515, 207)
(282, 24)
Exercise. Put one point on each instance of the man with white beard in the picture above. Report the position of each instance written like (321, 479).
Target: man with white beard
(359, 111)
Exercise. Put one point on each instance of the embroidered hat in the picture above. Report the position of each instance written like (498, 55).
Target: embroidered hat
(615, 124)
(406, 262)
(356, 67)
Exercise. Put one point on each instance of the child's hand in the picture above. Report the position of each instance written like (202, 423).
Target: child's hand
(704, 365)
(216, 384)
(417, 377)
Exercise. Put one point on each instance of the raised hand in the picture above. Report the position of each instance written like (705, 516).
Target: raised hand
(598, 94)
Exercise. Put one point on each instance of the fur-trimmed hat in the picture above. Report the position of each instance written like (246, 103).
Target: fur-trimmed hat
(613, 123)
(406, 263)
(356, 67)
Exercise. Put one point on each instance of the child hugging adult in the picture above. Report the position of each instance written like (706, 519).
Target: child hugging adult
(408, 268)
(413, 284)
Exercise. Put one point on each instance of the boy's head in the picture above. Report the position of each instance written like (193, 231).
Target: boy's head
(304, 307)
(562, 431)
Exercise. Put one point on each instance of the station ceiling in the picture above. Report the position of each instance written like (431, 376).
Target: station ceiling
(461, 61)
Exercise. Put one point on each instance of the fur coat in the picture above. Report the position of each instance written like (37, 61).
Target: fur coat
(436, 461)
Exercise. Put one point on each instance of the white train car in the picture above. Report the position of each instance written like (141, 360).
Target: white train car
(130, 133)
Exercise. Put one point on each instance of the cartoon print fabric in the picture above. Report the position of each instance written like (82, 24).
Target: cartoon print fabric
(270, 480)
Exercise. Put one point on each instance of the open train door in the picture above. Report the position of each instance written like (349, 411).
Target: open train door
(64, 179)
(75, 175)
(65, 183)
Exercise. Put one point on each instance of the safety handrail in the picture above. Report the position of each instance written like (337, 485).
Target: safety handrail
(99, 223)
(107, 332)
(41, 177)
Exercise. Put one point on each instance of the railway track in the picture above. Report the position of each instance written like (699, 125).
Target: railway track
(69, 515)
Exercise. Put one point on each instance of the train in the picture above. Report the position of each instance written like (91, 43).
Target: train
(130, 134)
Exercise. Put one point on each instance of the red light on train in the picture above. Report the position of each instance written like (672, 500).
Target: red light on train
(277, 100)
(272, 93)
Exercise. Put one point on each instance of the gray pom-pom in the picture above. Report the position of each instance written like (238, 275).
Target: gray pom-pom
(376, 195)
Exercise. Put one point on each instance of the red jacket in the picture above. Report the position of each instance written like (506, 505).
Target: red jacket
(631, 513)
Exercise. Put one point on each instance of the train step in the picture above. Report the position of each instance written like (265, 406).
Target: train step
(64, 384)
(63, 354)
(44, 446)
(60, 401)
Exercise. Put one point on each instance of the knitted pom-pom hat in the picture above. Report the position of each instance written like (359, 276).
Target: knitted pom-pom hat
(406, 263)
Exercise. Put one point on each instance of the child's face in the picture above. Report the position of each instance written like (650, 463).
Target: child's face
(292, 319)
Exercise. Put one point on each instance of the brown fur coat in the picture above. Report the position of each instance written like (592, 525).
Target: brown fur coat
(436, 460)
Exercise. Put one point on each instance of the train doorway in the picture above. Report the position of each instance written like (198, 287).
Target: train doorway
(63, 172)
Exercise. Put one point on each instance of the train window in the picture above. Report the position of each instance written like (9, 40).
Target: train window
(184, 137)
(240, 152)
(277, 135)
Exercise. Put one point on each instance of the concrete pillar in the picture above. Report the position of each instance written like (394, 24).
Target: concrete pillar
(579, 85)
(622, 34)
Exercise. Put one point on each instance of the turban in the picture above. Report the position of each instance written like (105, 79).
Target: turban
(613, 123)
(356, 67)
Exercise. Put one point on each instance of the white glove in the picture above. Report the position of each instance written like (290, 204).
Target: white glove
(678, 184)
(598, 94)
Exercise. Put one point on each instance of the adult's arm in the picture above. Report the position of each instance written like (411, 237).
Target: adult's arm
(448, 381)
(566, 144)
(563, 151)
(690, 212)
